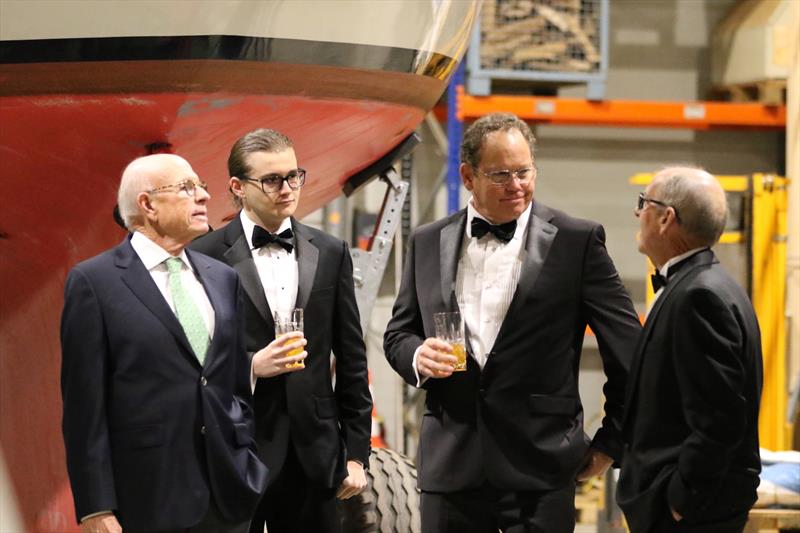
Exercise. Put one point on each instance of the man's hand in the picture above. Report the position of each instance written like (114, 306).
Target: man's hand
(435, 359)
(272, 359)
(355, 482)
(102, 523)
(675, 515)
(595, 464)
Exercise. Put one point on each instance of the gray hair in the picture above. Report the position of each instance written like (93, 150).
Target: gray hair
(702, 213)
(474, 136)
(134, 180)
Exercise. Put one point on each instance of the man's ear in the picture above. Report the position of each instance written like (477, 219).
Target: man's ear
(467, 176)
(145, 205)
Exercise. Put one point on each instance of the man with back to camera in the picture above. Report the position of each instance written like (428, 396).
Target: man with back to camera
(691, 422)
(502, 444)
(158, 421)
(314, 439)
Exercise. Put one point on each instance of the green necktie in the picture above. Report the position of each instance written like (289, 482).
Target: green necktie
(188, 314)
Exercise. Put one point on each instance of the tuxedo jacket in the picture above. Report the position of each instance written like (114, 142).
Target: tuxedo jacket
(326, 426)
(691, 421)
(518, 423)
(149, 432)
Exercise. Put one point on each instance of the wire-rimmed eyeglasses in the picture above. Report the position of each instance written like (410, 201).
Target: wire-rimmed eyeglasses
(501, 178)
(274, 182)
(643, 200)
(188, 186)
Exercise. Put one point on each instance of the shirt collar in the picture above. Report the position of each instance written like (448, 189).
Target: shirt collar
(522, 220)
(151, 253)
(248, 224)
(664, 270)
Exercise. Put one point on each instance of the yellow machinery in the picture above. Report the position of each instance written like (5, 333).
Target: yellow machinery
(753, 249)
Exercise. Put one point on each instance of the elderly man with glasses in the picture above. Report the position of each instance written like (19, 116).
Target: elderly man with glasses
(502, 443)
(158, 417)
(691, 419)
(315, 439)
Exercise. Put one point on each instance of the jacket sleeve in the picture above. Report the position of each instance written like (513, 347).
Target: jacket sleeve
(711, 375)
(352, 381)
(609, 311)
(84, 364)
(405, 331)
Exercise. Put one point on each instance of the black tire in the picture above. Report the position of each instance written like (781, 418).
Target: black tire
(390, 503)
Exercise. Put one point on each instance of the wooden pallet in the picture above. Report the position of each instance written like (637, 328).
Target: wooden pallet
(773, 520)
(767, 92)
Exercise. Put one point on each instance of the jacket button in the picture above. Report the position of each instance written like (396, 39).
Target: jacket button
(203, 381)
(202, 430)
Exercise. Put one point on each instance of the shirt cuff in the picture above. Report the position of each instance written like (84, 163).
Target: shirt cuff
(98, 513)
(420, 380)
(253, 377)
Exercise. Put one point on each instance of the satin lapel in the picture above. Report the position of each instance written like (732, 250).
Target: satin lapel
(307, 260)
(701, 258)
(239, 257)
(141, 284)
(211, 285)
(450, 239)
(537, 245)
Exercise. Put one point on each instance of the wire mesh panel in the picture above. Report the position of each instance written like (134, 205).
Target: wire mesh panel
(540, 40)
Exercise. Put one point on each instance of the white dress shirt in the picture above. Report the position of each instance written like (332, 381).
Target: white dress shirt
(276, 268)
(486, 279)
(153, 257)
(488, 273)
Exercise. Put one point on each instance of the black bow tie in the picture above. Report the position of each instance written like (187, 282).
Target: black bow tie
(262, 237)
(658, 281)
(503, 232)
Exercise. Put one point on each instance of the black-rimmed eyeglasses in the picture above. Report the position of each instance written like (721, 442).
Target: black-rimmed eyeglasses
(274, 182)
(187, 186)
(644, 200)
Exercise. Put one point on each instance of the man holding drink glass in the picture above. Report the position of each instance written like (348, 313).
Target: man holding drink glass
(502, 443)
(299, 285)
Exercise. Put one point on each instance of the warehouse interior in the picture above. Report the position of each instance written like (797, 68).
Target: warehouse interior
(643, 98)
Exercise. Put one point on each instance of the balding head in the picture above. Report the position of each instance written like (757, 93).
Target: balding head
(140, 175)
(699, 200)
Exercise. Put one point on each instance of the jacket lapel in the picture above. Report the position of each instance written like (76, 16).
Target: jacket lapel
(307, 260)
(537, 245)
(705, 257)
(450, 239)
(141, 284)
(238, 256)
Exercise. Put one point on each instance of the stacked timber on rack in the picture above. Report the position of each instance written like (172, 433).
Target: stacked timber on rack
(540, 35)
(751, 52)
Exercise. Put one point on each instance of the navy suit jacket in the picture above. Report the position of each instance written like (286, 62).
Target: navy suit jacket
(149, 432)
(326, 426)
(518, 422)
(691, 419)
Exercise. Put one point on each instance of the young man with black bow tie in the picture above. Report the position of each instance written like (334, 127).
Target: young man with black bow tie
(502, 444)
(315, 440)
(691, 415)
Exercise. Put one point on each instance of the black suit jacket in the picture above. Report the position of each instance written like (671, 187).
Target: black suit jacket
(326, 427)
(519, 422)
(149, 433)
(692, 411)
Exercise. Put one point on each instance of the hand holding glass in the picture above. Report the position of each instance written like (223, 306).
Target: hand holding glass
(450, 329)
(288, 322)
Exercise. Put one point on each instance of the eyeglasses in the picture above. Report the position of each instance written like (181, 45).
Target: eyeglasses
(187, 186)
(644, 200)
(274, 182)
(501, 178)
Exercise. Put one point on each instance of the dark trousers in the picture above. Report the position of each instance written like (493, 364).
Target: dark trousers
(292, 505)
(213, 522)
(487, 509)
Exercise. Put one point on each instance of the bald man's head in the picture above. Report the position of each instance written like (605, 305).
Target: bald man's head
(699, 200)
(142, 174)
